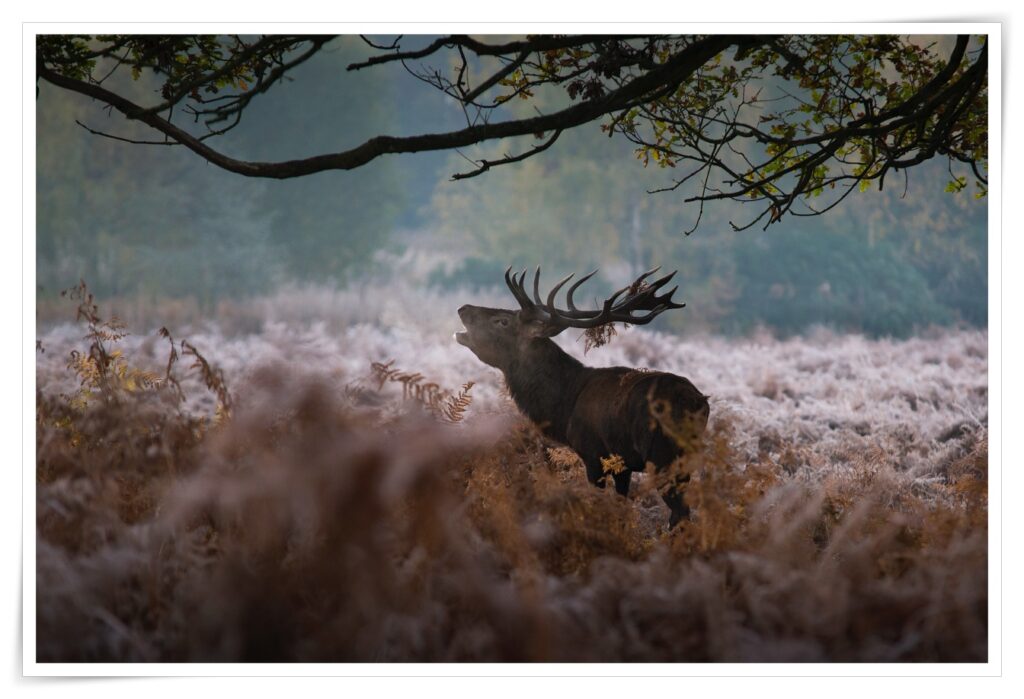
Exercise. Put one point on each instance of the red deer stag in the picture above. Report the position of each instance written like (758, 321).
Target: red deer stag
(596, 412)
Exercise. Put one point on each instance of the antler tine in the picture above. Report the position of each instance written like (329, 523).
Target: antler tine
(645, 299)
(554, 291)
(645, 319)
(658, 283)
(660, 304)
(574, 287)
(632, 284)
(667, 299)
(609, 304)
(638, 280)
(509, 281)
(618, 308)
(648, 273)
(516, 287)
(665, 302)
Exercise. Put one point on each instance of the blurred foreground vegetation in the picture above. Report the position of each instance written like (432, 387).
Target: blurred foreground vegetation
(308, 514)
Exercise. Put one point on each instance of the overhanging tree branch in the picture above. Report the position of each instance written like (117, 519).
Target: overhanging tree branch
(486, 165)
(771, 121)
(672, 72)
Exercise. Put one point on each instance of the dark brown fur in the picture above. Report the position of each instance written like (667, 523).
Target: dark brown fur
(598, 412)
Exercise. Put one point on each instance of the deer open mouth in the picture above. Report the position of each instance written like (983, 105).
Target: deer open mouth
(462, 337)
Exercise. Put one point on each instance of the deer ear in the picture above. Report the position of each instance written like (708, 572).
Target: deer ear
(540, 328)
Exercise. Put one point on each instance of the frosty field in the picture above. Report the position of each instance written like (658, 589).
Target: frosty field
(840, 502)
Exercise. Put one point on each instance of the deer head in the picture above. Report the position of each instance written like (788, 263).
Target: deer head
(498, 336)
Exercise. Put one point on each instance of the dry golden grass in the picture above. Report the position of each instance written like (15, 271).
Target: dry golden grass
(298, 522)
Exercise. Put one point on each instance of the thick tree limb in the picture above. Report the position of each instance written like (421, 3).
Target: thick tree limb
(539, 43)
(677, 69)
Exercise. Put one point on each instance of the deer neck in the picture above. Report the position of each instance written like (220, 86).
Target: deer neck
(544, 382)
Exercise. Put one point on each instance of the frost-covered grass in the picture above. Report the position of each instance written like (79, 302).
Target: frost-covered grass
(840, 500)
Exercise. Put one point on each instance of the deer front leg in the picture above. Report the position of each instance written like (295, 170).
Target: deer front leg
(597, 475)
(662, 452)
(673, 495)
(622, 479)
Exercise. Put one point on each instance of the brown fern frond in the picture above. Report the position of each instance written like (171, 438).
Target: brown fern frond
(602, 334)
(613, 464)
(454, 407)
(639, 286)
(384, 372)
(440, 402)
(172, 358)
(410, 384)
(212, 377)
(598, 336)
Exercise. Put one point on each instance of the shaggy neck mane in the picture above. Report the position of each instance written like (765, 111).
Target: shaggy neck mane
(545, 382)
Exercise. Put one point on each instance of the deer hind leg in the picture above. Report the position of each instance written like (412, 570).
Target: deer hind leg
(595, 470)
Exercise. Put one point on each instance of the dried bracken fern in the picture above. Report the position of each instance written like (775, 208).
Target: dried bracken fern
(453, 408)
(101, 371)
(601, 335)
(442, 403)
(212, 377)
(105, 377)
(564, 458)
(613, 464)
(598, 336)
(305, 529)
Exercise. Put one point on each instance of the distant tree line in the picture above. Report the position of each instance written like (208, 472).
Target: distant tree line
(154, 221)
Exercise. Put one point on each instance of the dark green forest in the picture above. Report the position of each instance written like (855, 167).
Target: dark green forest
(157, 223)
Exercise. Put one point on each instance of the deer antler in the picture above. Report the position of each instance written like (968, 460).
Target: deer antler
(639, 296)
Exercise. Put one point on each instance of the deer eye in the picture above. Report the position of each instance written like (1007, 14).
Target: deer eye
(503, 322)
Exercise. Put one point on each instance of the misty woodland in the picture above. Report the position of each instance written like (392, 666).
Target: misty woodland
(291, 413)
